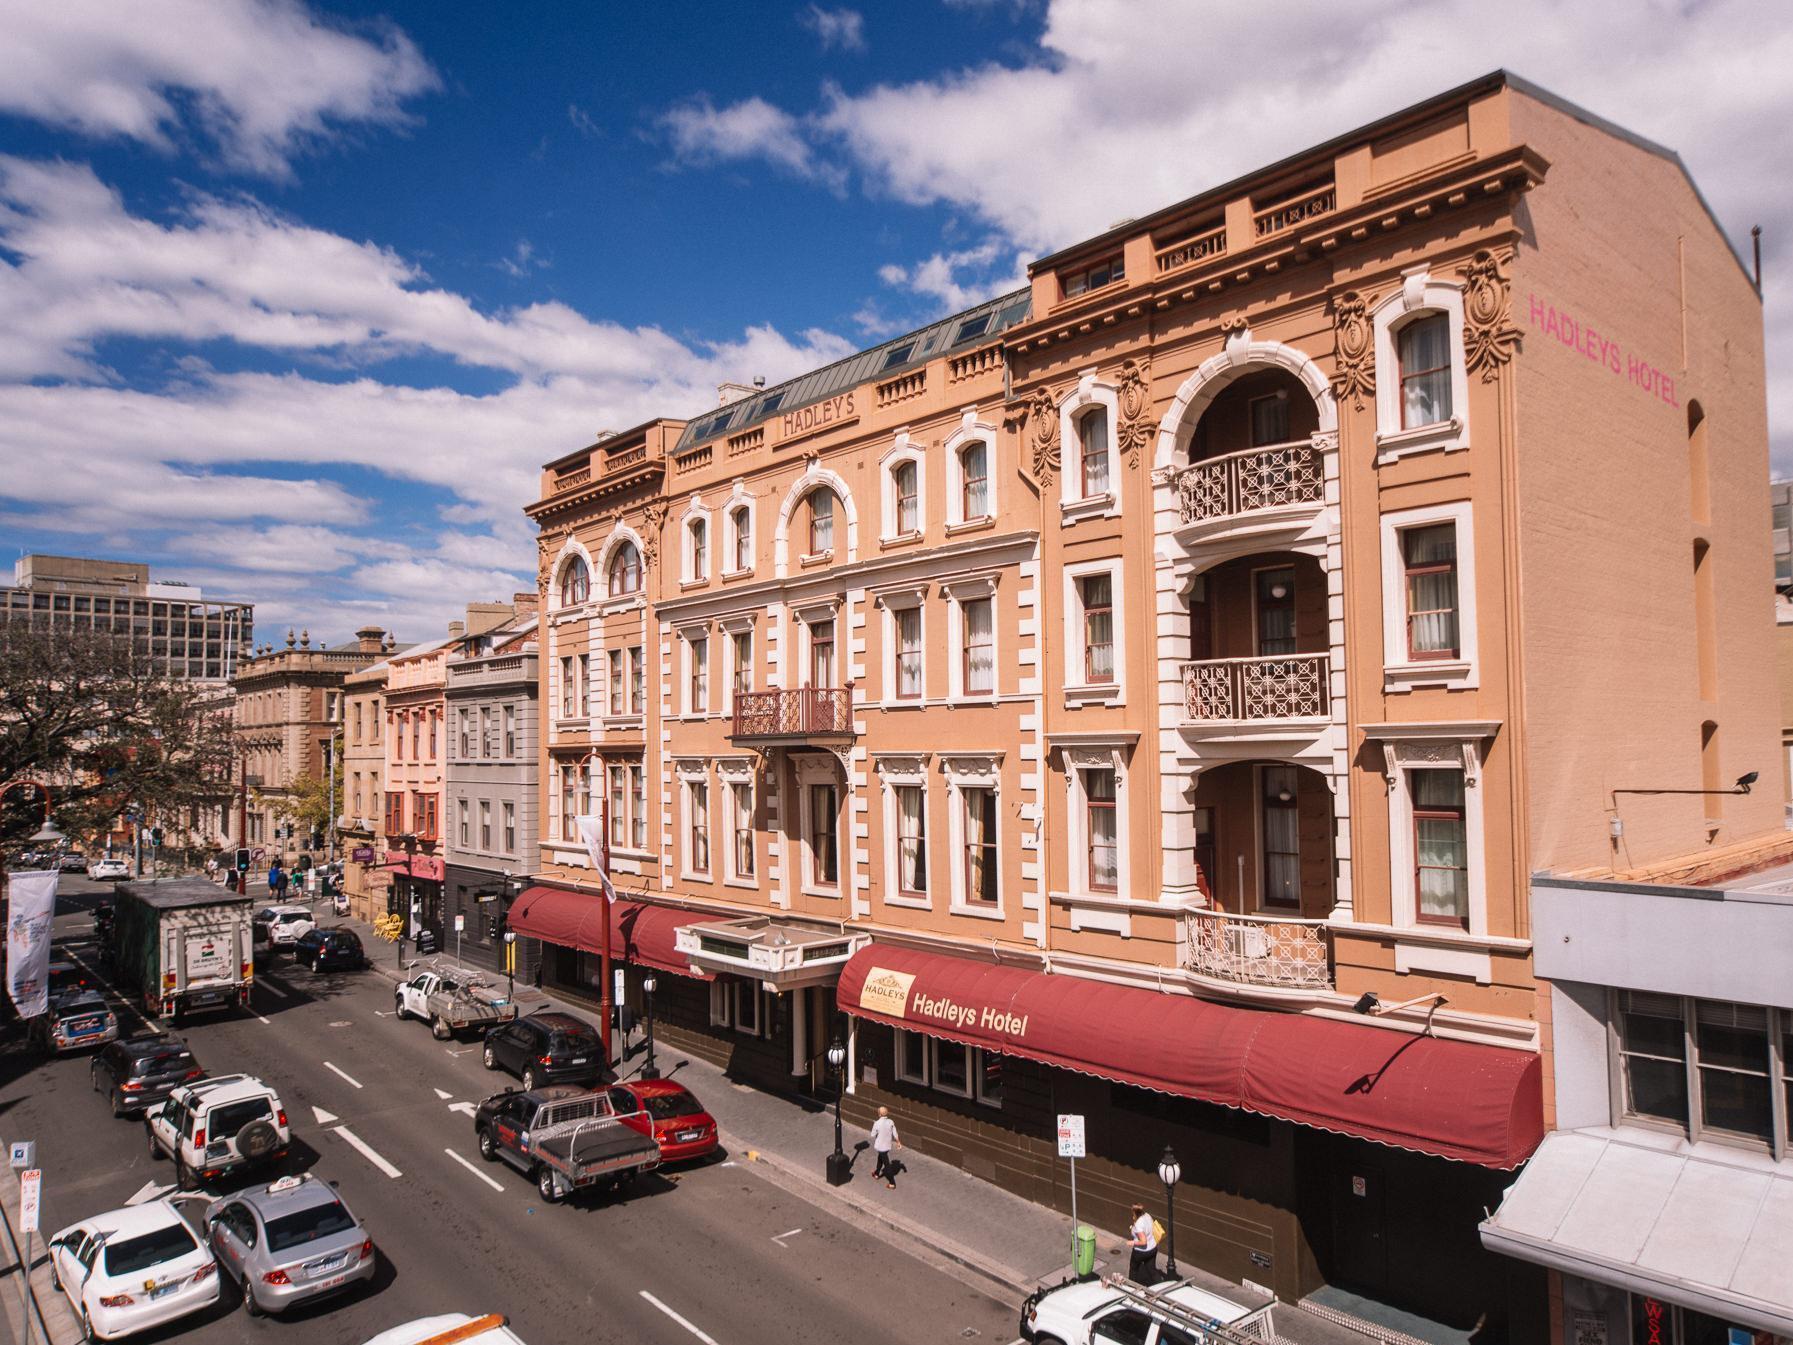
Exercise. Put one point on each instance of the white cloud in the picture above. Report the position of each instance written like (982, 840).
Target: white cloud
(702, 133)
(523, 260)
(843, 28)
(938, 277)
(259, 80)
(583, 121)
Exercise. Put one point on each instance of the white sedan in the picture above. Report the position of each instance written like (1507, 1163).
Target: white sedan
(132, 1269)
(108, 868)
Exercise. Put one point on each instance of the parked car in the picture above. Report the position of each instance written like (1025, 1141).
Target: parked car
(140, 1072)
(214, 1126)
(564, 1139)
(330, 950)
(73, 862)
(1175, 1312)
(283, 926)
(289, 1242)
(451, 999)
(132, 1269)
(682, 1128)
(491, 1329)
(108, 869)
(544, 1048)
(77, 1019)
(65, 977)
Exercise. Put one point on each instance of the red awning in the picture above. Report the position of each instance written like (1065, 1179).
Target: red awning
(1477, 1104)
(639, 933)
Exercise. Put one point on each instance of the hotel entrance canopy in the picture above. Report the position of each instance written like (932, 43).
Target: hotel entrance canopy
(780, 955)
(1459, 1100)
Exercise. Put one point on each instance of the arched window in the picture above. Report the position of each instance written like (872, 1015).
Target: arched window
(821, 521)
(575, 582)
(907, 498)
(700, 549)
(1092, 438)
(1423, 348)
(742, 521)
(625, 570)
(974, 480)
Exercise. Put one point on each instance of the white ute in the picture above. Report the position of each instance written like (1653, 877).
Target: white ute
(451, 1328)
(1175, 1312)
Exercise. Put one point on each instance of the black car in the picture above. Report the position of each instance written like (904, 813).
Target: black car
(330, 950)
(545, 1048)
(139, 1072)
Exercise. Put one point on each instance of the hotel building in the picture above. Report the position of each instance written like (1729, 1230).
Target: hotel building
(1157, 694)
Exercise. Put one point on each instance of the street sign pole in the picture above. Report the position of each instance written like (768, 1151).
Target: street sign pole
(30, 1197)
(1071, 1146)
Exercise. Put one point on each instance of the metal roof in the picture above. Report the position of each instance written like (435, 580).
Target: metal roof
(173, 894)
(972, 327)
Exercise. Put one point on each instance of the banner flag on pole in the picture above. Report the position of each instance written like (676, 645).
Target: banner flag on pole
(32, 906)
(591, 831)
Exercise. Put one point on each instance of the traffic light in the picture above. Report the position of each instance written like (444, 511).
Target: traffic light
(155, 835)
(304, 864)
(242, 859)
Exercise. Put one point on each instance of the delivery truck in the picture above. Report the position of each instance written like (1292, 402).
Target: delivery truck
(183, 945)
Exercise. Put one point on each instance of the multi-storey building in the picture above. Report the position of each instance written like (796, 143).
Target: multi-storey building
(362, 828)
(1150, 695)
(187, 637)
(491, 782)
(288, 714)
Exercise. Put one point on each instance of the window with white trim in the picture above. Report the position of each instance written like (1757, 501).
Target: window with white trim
(1423, 354)
(912, 839)
(575, 581)
(974, 481)
(637, 806)
(697, 828)
(821, 510)
(697, 550)
(485, 825)
(740, 521)
(742, 864)
(1095, 598)
(1093, 442)
(740, 657)
(822, 668)
(949, 1067)
(1422, 385)
(697, 674)
(1429, 555)
(823, 840)
(624, 577)
(1094, 635)
(461, 815)
(464, 732)
(1440, 847)
(735, 1004)
(510, 827)
(977, 676)
(905, 628)
(618, 774)
(905, 486)
(568, 694)
(619, 689)
(1429, 598)
(510, 732)
(979, 822)
(1100, 826)
(637, 679)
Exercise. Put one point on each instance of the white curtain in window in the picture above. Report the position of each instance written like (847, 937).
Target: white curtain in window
(1432, 594)
(980, 661)
(1425, 371)
(912, 875)
(1443, 844)
(1093, 433)
(977, 494)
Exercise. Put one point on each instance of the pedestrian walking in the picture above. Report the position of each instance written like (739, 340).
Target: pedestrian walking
(1142, 1261)
(884, 1139)
(211, 868)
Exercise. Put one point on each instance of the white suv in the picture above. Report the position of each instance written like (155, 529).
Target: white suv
(1175, 1312)
(283, 926)
(214, 1126)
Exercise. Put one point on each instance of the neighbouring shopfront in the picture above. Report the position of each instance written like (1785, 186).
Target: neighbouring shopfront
(416, 893)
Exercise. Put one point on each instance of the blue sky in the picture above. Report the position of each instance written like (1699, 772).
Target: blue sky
(295, 297)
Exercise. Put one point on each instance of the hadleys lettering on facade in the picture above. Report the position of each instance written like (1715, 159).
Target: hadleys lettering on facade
(1601, 348)
(826, 412)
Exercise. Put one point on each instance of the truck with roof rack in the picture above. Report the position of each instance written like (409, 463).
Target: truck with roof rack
(181, 945)
(1173, 1312)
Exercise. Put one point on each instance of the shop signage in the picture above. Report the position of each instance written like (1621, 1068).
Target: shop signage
(31, 1187)
(807, 419)
(418, 866)
(1071, 1136)
(887, 992)
(893, 994)
(1590, 1329)
(1601, 348)
(362, 854)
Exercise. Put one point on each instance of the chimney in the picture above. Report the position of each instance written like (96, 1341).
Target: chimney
(732, 392)
(369, 639)
(456, 629)
(525, 604)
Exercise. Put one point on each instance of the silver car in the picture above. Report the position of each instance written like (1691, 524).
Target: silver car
(289, 1242)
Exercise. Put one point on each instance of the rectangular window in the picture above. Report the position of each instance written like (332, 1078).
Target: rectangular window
(1275, 595)
(638, 807)
(821, 522)
(989, 1077)
(619, 805)
(417, 737)
(908, 499)
(979, 635)
(569, 802)
(637, 679)
(510, 828)
(1423, 348)
(698, 797)
(1269, 419)
(430, 802)
(485, 731)
(1653, 1056)
(1282, 843)
(952, 1068)
(582, 689)
(1430, 557)
(1096, 594)
(741, 808)
(821, 654)
(1440, 847)
(974, 471)
(1731, 1045)
(618, 688)
(395, 814)
(462, 810)
(1101, 831)
(510, 731)
(907, 622)
(747, 1007)
(741, 659)
(1092, 437)
(485, 825)
(1085, 279)
(465, 720)
(699, 650)
(722, 1012)
(700, 550)
(566, 687)
(911, 1057)
(912, 840)
(743, 540)
(824, 842)
(980, 844)
(357, 721)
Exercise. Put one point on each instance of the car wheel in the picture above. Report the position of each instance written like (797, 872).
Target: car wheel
(440, 1029)
(490, 1058)
(185, 1179)
(250, 1306)
(398, 1008)
(93, 1077)
(155, 1150)
(488, 1147)
(87, 1332)
(118, 1107)
(530, 1080)
(544, 1182)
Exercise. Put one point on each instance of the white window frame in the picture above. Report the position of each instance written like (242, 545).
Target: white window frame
(731, 629)
(689, 638)
(981, 770)
(901, 451)
(508, 827)
(749, 991)
(910, 597)
(939, 1046)
(812, 770)
(739, 506)
(1078, 689)
(904, 771)
(696, 520)
(693, 774)
(1442, 748)
(925, 1078)
(737, 773)
(1399, 672)
(722, 1003)
(1078, 758)
(1418, 296)
(1074, 505)
(957, 592)
(806, 616)
(970, 428)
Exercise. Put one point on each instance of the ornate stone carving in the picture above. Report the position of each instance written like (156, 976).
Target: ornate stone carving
(1041, 408)
(1353, 347)
(652, 517)
(1135, 400)
(1489, 337)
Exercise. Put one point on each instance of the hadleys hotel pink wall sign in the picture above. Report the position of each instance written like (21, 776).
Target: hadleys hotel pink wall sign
(1602, 350)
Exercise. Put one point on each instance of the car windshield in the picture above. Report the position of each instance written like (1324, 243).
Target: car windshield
(133, 1256)
(225, 1121)
(573, 1042)
(162, 1062)
(307, 1225)
(84, 1009)
(671, 1106)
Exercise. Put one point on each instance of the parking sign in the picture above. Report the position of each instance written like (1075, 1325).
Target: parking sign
(31, 1182)
(1070, 1135)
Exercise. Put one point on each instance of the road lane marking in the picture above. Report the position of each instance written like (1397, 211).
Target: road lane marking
(275, 990)
(779, 1239)
(468, 1050)
(362, 1147)
(475, 1171)
(443, 1095)
(148, 1191)
(704, 1336)
(324, 1118)
(260, 1019)
(339, 1074)
(464, 1108)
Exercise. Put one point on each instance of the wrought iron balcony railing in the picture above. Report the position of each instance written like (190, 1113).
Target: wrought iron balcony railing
(1252, 479)
(807, 712)
(1268, 950)
(1283, 686)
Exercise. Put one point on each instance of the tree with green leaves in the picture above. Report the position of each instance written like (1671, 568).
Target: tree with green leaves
(308, 803)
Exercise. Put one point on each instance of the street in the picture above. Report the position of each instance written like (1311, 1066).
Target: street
(713, 1253)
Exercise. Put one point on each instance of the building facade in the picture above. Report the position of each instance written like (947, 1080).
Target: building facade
(189, 638)
(1149, 695)
(491, 781)
(362, 827)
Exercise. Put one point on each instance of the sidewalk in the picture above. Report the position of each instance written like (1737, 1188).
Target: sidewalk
(1008, 1245)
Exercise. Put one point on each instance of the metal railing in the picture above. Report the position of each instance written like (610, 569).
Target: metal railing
(1283, 686)
(804, 712)
(1270, 950)
(1253, 478)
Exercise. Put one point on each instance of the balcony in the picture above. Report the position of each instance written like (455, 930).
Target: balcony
(1247, 690)
(793, 717)
(1275, 476)
(1280, 952)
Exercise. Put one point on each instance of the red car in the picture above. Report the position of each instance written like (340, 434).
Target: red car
(682, 1128)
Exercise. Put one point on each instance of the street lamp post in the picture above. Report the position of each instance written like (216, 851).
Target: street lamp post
(1170, 1173)
(510, 964)
(649, 1070)
(839, 1167)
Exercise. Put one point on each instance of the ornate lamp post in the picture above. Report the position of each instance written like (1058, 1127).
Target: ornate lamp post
(839, 1167)
(1170, 1173)
(649, 1070)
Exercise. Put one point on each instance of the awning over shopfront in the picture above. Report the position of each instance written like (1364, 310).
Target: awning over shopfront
(1648, 1212)
(639, 933)
(1477, 1104)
